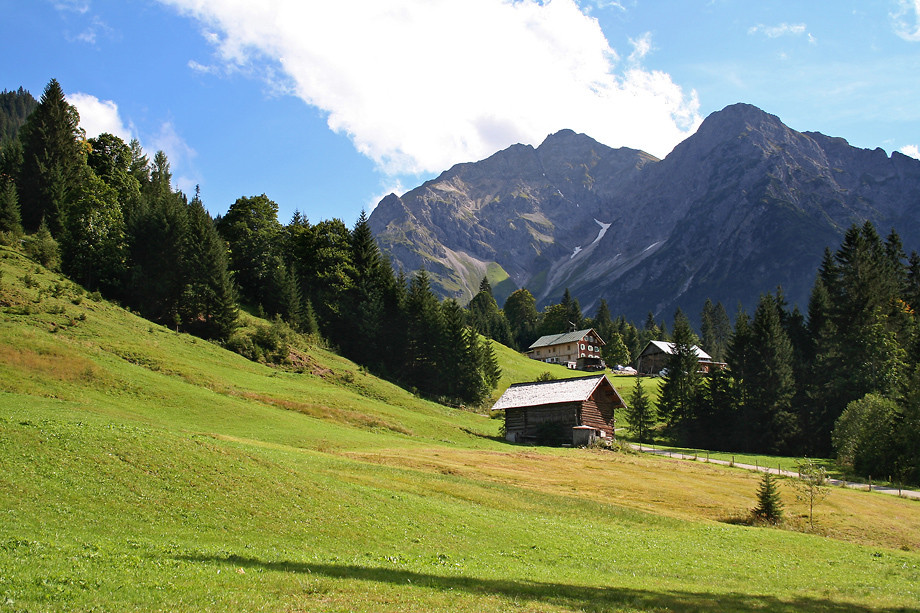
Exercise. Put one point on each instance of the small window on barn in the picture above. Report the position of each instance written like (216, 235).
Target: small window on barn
(582, 347)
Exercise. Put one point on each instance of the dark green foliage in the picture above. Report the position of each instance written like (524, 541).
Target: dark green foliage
(10, 220)
(157, 233)
(554, 320)
(94, 243)
(486, 318)
(425, 335)
(15, 108)
(42, 248)
(520, 310)
(716, 330)
(322, 256)
(679, 385)
(252, 230)
(866, 435)
(640, 413)
(574, 318)
(111, 159)
(768, 384)
(208, 306)
(52, 160)
(769, 504)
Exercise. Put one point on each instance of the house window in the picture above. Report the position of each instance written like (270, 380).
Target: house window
(582, 347)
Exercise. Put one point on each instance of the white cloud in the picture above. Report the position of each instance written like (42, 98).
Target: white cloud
(419, 85)
(783, 29)
(911, 150)
(642, 46)
(906, 20)
(75, 6)
(98, 116)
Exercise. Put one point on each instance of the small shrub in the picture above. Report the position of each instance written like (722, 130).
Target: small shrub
(42, 248)
(546, 376)
(95, 297)
(28, 281)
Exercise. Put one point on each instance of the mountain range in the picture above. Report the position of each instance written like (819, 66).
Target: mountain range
(742, 206)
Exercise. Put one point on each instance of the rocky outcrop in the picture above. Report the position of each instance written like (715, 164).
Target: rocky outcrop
(742, 206)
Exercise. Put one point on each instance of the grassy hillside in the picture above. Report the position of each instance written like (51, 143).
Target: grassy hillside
(142, 469)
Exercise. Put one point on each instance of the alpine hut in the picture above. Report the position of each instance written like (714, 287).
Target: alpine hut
(560, 411)
(656, 354)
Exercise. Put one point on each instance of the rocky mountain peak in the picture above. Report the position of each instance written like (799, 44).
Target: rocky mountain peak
(743, 205)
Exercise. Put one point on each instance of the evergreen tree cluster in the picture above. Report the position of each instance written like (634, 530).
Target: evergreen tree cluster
(121, 229)
(118, 224)
(842, 379)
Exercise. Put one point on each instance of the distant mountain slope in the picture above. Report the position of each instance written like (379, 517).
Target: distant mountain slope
(742, 206)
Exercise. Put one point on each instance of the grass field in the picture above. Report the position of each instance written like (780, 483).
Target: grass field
(142, 469)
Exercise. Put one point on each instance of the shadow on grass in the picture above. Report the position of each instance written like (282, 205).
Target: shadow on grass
(577, 597)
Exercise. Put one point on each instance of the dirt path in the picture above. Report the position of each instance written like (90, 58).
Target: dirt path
(913, 494)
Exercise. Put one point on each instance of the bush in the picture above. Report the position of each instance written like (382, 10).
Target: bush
(42, 248)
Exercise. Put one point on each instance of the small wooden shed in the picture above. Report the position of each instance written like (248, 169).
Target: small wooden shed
(550, 411)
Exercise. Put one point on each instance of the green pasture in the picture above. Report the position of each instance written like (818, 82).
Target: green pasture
(141, 469)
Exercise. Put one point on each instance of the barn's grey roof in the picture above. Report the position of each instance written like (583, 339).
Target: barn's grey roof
(567, 337)
(668, 348)
(550, 392)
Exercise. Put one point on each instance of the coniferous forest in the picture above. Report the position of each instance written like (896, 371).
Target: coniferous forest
(109, 218)
(842, 378)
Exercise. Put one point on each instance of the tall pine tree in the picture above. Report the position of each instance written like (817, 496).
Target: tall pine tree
(53, 156)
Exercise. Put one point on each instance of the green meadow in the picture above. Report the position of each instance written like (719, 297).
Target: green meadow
(141, 469)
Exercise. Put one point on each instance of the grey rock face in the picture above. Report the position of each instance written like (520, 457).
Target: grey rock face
(742, 206)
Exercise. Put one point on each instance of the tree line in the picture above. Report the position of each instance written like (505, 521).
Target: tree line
(843, 378)
(112, 221)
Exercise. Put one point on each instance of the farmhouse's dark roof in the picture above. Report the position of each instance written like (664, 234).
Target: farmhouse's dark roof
(668, 348)
(550, 392)
(568, 337)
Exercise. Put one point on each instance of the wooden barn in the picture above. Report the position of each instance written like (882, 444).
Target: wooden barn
(563, 411)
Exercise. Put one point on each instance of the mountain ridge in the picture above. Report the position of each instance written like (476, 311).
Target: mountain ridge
(743, 205)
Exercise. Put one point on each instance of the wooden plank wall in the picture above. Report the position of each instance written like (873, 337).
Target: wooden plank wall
(598, 416)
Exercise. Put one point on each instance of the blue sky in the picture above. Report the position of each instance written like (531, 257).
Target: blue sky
(327, 107)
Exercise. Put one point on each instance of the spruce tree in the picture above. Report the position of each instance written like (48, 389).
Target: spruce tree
(640, 413)
(769, 504)
(208, 307)
(157, 237)
(679, 385)
(10, 220)
(52, 161)
(425, 327)
(573, 316)
(769, 383)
